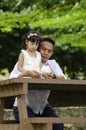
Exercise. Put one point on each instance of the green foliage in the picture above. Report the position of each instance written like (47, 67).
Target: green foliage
(72, 60)
(62, 20)
(7, 5)
(68, 27)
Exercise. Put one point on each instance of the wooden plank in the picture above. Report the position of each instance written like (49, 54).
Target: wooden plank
(48, 81)
(22, 105)
(50, 120)
(22, 108)
(44, 81)
(53, 84)
(49, 126)
(24, 126)
(13, 90)
(64, 120)
(9, 126)
(4, 81)
(35, 126)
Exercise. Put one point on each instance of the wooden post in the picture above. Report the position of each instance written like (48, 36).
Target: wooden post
(22, 105)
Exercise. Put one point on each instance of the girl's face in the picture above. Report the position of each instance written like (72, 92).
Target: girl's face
(32, 46)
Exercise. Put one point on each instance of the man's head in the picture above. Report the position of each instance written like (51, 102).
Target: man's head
(46, 48)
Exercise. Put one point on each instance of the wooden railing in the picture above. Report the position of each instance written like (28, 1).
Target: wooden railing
(63, 93)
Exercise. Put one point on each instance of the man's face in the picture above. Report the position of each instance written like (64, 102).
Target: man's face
(46, 51)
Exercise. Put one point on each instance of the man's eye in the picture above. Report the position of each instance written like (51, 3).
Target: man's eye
(50, 51)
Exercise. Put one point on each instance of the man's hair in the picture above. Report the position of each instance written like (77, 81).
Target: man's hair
(48, 40)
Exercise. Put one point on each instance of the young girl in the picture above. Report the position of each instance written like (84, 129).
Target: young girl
(29, 61)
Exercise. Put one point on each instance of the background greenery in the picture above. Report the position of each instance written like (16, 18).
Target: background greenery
(62, 20)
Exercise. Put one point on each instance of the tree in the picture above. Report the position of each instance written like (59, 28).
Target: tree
(60, 19)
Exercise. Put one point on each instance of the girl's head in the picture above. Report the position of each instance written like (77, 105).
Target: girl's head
(31, 40)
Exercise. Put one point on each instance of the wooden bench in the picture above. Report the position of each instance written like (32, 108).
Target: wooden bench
(63, 93)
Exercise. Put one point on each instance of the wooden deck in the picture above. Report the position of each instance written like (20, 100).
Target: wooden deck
(63, 93)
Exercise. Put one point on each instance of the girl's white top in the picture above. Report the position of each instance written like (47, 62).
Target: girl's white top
(31, 63)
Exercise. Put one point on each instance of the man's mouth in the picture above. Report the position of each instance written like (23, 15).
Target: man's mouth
(45, 57)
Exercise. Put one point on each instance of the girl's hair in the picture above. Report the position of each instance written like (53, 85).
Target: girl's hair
(31, 36)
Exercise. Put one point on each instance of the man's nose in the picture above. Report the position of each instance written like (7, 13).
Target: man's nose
(46, 52)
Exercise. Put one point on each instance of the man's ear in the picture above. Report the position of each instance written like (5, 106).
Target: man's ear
(52, 52)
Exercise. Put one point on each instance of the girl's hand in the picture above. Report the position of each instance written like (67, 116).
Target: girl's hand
(32, 74)
(24, 74)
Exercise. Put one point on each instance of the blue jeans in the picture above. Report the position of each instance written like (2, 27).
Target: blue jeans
(48, 112)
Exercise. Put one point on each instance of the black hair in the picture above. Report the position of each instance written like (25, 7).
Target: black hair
(31, 36)
(48, 39)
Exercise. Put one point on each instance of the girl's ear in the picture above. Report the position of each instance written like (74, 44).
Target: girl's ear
(26, 41)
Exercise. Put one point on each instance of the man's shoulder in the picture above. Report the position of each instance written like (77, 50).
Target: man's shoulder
(51, 61)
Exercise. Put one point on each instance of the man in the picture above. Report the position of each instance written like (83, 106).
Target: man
(37, 100)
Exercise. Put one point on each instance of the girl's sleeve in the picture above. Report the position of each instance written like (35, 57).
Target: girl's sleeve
(14, 73)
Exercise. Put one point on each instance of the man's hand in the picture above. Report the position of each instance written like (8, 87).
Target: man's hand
(48, 76)
(34, 74)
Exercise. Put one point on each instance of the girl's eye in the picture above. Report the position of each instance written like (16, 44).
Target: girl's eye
(36, 44)
(32, 43)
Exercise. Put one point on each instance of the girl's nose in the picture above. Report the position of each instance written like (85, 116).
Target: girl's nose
(34, 45)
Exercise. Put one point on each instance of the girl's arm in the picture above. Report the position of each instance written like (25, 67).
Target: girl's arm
(20, 63)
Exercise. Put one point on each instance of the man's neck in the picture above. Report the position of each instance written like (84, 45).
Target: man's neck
(44, 62)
